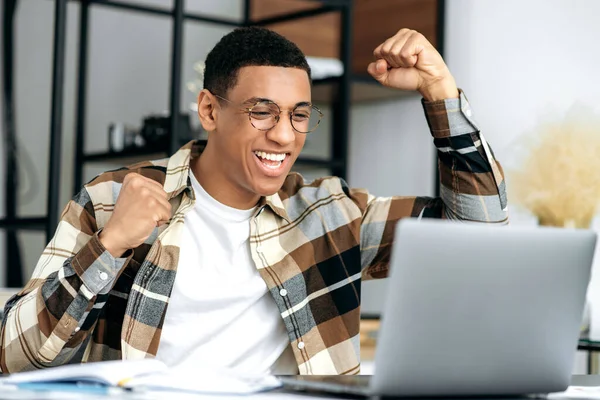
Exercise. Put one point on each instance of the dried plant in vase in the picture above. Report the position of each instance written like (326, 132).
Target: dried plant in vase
(557, 173)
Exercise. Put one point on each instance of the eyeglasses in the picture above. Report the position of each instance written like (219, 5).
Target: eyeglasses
(265, 114)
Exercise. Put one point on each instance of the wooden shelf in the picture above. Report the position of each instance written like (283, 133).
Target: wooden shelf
(363, 89)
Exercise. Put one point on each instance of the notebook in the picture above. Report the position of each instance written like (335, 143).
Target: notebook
(144, 375)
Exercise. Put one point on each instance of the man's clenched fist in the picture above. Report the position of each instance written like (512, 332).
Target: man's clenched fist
(407, 61)
(142, 205)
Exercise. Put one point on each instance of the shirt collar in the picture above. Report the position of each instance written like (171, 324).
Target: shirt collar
(274, 202)
(178, 169)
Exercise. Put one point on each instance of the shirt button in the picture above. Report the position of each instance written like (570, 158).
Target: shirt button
(258, 249)
(301, 345)
(468, 112)
(103, 276)
(77, 329)
(283, 292)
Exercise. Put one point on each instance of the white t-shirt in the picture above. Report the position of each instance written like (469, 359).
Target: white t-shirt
(220, 313)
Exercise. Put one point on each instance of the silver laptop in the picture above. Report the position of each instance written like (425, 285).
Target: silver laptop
(476, 310)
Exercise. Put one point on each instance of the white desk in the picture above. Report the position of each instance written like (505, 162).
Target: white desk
(22, 395)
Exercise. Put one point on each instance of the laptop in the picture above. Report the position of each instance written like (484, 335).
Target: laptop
(474, 310)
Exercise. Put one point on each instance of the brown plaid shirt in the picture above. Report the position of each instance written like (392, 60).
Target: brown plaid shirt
(316, 240)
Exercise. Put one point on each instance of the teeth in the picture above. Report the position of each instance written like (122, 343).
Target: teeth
(270, 156)
(273, 166)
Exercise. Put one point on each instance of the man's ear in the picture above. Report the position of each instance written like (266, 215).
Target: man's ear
(207, 110)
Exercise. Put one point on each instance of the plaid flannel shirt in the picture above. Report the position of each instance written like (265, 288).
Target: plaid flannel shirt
(315, 240)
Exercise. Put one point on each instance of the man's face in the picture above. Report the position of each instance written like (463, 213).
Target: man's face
(258, 161)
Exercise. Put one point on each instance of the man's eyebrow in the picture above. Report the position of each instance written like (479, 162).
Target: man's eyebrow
(303, 103)
(254, 100)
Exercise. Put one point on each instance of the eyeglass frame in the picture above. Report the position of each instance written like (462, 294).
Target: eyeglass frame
(248, 110)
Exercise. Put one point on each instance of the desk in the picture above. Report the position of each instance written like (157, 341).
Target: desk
(578, 380)
(274, 395)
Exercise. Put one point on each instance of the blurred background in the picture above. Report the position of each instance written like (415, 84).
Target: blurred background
(95, 82)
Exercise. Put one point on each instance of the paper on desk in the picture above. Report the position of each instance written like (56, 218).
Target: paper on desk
(577, 392)
(109, 373)
(204, 380)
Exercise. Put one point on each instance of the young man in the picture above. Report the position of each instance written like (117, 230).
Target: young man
(218, 255)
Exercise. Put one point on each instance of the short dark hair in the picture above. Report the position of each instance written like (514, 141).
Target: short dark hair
(248, 46)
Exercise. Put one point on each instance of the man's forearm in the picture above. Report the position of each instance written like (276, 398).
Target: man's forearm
(45, 326)
(33, 337)
(471, 181)
(443, 89)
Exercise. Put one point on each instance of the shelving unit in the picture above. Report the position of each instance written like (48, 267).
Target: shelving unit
(347, 32)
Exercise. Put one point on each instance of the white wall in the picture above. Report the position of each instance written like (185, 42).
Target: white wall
(520, 60)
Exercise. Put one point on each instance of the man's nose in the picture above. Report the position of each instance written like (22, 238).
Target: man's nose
(282, 133)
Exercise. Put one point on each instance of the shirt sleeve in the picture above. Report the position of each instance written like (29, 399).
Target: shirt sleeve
(472, 186)
(96, 267)
(50, 321)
